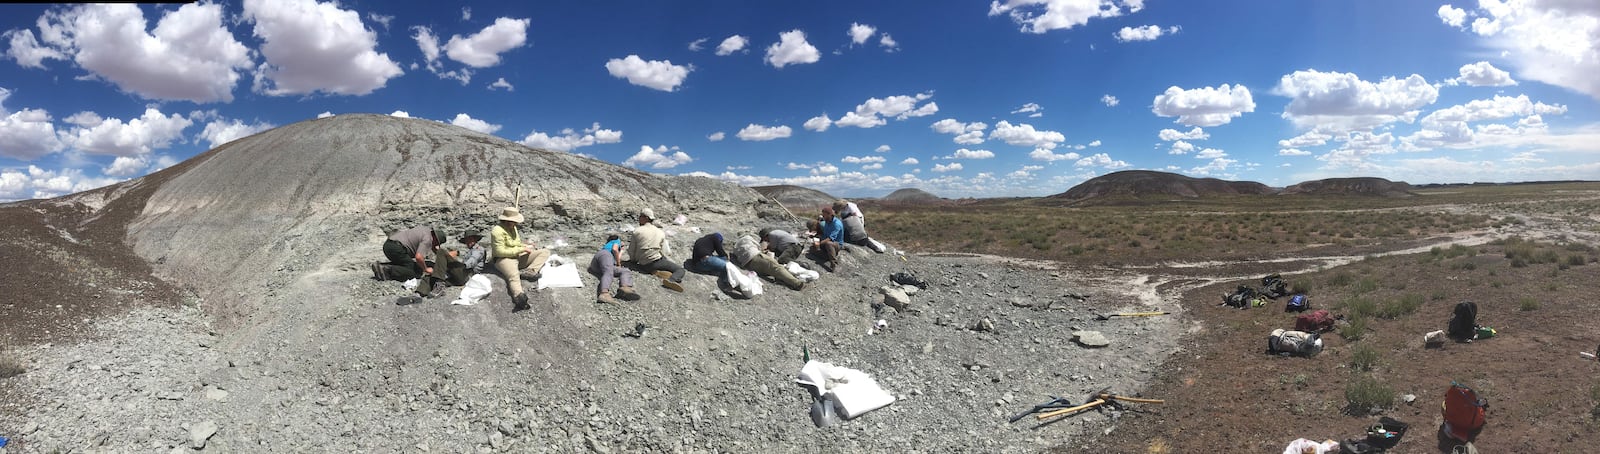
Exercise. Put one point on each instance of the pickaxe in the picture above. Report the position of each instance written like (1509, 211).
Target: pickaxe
(1101, 397)
(1129, 314)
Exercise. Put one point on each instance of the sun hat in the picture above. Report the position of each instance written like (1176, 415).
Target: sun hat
(511, 214)
(470, 234)
(648, 213)
(439, 236)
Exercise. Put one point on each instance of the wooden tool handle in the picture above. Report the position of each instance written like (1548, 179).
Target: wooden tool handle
(1091, 404)
(1135, 399)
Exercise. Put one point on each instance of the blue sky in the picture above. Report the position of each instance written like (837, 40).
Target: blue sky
(963, 99)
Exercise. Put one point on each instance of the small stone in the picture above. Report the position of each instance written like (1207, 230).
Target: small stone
(910, 289)
(1409, 398)
(983, 325)
(29, 428)
(1092, 339)
(199, 433)
(216, 394)
(895, 298)
(927, 348)
(1019, 302)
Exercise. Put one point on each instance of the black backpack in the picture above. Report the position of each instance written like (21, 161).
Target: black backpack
(1241, 297)
(1273, 286)
(1464, 322)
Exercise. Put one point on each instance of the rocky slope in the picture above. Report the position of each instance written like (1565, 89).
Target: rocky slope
(910, 195)
(1363, 186)
(1146, 183)
(801, 200)
(285, 343)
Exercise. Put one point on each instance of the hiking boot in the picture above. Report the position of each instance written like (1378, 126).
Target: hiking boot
(531, 276)
(604, 298)
(664, 274)
(378, 272)
(520, 303)
(438, 291)
(626, 293)
(408, 300)
(670, 285)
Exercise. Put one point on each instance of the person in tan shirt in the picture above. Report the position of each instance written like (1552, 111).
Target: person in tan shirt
(645, 250)
(514, 259)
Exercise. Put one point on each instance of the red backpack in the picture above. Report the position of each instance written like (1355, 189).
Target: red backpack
(1464, 412)
(1318, 321)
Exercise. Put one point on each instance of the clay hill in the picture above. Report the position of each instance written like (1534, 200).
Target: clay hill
(225, 304)
(910, 195)
(1367, 186)
(797, 199)
(1147, 183)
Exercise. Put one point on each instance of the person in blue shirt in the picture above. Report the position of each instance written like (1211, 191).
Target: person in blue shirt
(607, 265)
(832, 235)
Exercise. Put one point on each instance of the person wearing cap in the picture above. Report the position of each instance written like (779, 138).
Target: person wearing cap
(784, 245)
(514, 259)
(407, 252)
(830, 235)
(747, 254)
(708, 255)
(466, 258)
(855, 230)
(607, 265)
(647, 250)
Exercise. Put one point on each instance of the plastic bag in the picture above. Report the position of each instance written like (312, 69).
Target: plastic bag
(411, 284)
(478, 287)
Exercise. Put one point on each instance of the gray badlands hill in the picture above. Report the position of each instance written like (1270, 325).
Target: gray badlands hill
(1146, 183)
(240, 316)
(797, 199)
(1366, 186)
(910, 195)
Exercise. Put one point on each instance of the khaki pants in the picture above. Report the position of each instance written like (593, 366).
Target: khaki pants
(766, 266)
(512, 268)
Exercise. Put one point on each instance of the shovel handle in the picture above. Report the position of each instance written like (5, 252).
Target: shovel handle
(1091, 404)
(1135, 399)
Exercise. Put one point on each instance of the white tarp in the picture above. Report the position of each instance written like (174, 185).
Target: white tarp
(478, 287)
(559, 272)
(852, 390)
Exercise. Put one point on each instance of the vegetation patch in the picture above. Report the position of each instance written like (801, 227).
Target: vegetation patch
(10, 366)
(1363, 358)
(1366, 395)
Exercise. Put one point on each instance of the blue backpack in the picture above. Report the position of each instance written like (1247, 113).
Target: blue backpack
(1297, 303)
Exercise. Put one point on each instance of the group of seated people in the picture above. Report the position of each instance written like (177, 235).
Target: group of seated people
(644, 249)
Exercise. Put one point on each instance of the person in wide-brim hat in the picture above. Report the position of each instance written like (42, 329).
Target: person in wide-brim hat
(407, 252)
(514, 259)
(647, 246)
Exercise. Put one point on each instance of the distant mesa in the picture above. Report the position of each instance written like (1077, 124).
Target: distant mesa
(1364, 186)
(1151, 184)
(797, 199)
(910, 195)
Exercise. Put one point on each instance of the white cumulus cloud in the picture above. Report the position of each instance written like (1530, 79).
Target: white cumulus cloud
(1024, 134)
(698, 44)
(483, 49)
(1110, 101)
(1293, 152)
(1210, 153)
(1552, 41)
(941, 168)
(910, 161)
(792, 49)
(1312, 138)
(466, 121)
(26, 134)
(1344, 101)
(1452, 16)
(818, 123)
(1044, 154)
(1039, 16)
(888, 43)
(1204, 106)
(400, 113)
(755, 132)
(569, 139)
(1181, 147)
(325, 114)
(1483, 74)
(37, 183)
(862, 159)
(112, 136)
(502, 84)
(732, 44)
(882, 148)
(660, 157)
(716, 136)
(1193, 134)
(1033, 110)
(126, 166)
(220, 131)
(1101, 160)
(874, 112)
(859, 33)
(313, 47)
(1145, 33)
(658, 74)
(189, 55)
(971, 154)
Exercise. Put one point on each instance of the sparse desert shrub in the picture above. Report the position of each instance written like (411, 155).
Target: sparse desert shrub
(1365, 285)
(1353, 329)
(1406, 305)
(1341, 279)
(1528, 304)
(1363, 358)
(1365, 394)
(10, 366)
(1518, 262)
(1301, 287)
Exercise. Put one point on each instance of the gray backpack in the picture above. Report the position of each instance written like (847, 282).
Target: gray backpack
(1297, 343)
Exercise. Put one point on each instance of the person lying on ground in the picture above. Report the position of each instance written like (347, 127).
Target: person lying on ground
(708, 256)
(855, 231)
(831, 236)
(607, 265)
(784, 245)
(647, 250)
(407, 251)
(747, 254)
(464, 259)
(514, 259)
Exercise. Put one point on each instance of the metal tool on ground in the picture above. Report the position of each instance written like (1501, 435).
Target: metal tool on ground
(1055, 403)
(1103, 397)
(1129, 314)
